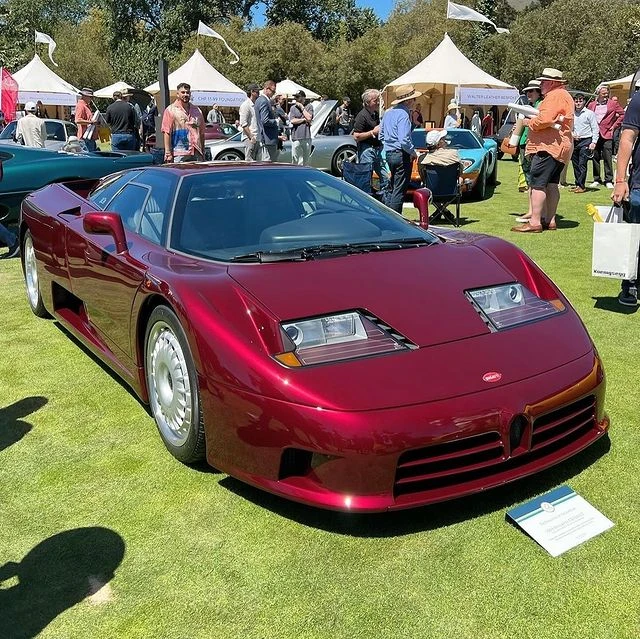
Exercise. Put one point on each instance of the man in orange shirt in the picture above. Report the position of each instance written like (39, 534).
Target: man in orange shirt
(549, 142)
(84, 119)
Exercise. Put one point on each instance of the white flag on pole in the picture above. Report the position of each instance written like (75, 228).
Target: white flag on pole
(204, 30)
(45, 39)
(460, 12)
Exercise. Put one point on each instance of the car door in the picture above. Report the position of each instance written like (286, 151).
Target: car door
(104, 280)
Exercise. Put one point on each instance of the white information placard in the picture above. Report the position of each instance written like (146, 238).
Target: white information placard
(477, 96)
(559, 520)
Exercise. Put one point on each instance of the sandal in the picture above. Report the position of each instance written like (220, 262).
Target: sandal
(527, 228)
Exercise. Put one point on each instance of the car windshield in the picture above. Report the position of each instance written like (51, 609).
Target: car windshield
(456, 139)
(8, 131)
(273, 214)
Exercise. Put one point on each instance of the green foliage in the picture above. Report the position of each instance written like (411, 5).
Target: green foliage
(327, 20)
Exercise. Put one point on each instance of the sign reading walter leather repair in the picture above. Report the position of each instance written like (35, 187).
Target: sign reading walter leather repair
(559, 520)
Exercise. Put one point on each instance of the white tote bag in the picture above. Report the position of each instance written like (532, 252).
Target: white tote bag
(615, 248)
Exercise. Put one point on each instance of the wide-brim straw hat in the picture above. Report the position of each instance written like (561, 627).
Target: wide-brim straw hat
(552, 74)
(405, 92)
(452, 106)
(532, 86)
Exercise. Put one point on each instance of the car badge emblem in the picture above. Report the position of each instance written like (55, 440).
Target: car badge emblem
(492, 377)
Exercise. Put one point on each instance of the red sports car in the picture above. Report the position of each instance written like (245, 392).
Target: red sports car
(311, 342)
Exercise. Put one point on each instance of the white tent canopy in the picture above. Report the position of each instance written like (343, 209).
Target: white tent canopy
(107, 92)
(208, 86)
(37, 81)
(288, 88)
(439, 75)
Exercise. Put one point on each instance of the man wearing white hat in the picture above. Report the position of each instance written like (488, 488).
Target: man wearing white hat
(31, 130)
(395, 135)
(550, 142)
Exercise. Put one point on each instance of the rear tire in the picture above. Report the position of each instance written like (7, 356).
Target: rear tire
(230, 156)
(342, 155)
(31, 279)
(172, 382)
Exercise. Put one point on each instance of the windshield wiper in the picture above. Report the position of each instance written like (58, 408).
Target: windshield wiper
(304, 253)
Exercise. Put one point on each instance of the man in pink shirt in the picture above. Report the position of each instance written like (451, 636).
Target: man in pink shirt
(183, 129)
(609, 115)
(84, 119)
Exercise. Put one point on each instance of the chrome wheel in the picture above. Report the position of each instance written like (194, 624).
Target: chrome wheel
(31, 279)
(31, 272)
(170, 392)
(347, 154)
(230, 156)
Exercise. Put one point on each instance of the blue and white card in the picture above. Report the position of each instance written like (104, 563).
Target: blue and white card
(559, 520)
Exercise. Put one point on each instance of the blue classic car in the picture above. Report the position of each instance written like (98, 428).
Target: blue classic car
(24, 169)
(479, 158)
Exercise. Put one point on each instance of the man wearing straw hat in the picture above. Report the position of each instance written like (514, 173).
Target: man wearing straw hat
(84, 119)
(452, 119)
(395, 135)
(549, 141)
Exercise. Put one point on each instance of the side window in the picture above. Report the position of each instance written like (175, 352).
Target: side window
(129, 204)
(104, 192)
(71, 129)
(155, 215)
(55, 131)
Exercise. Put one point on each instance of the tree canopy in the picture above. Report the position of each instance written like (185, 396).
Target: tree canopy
(332, 46)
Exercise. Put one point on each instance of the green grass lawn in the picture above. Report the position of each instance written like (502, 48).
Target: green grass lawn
(88, 495)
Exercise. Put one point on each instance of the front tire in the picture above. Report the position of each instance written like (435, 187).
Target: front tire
(31, 279)
(172, 382)
(480, 189)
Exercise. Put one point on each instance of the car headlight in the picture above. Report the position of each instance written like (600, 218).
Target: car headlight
(337, 337)
(466, 164)
(510, 305)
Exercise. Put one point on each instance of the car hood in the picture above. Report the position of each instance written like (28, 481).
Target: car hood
(417, 291)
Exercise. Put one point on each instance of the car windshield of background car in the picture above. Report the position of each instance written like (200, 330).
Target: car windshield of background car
(223, 214)
(462, 140)
(8, 131)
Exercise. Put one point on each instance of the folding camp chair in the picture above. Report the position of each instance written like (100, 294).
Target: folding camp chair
(359, 175)
(444, 184)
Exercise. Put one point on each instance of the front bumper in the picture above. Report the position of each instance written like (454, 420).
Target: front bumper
(407, 456)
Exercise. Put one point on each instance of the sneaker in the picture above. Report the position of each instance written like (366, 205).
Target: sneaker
(628, 297)
(523, 219)
(609, 185)
(14, 251)
(594, 185)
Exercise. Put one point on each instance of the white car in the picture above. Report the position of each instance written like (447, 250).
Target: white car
(58, 132)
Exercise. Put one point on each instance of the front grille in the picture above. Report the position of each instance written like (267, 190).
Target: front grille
(465, 461)
(563, 422)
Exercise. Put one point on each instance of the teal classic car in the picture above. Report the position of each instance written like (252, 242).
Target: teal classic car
(24, 169)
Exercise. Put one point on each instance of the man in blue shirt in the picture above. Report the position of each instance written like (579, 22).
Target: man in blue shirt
(629, 189)
(395, 135)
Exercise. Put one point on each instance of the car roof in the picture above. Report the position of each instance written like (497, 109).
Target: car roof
(183, 168)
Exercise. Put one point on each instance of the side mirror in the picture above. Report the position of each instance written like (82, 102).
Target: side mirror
(421, 198)
(106, 223)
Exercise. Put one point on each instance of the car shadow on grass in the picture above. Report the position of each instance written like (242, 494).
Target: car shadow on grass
(611, 304)
(114, 376)
(424, 518)
(56, 574)
(12, 427)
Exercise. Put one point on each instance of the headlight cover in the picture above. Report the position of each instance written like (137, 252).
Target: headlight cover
(332, 338)
(467, 164)
(510, 305)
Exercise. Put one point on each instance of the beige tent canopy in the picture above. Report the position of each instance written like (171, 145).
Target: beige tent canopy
(438, 76)
(620, 87)
(208, 86)
(288, 88)
(36, 81)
